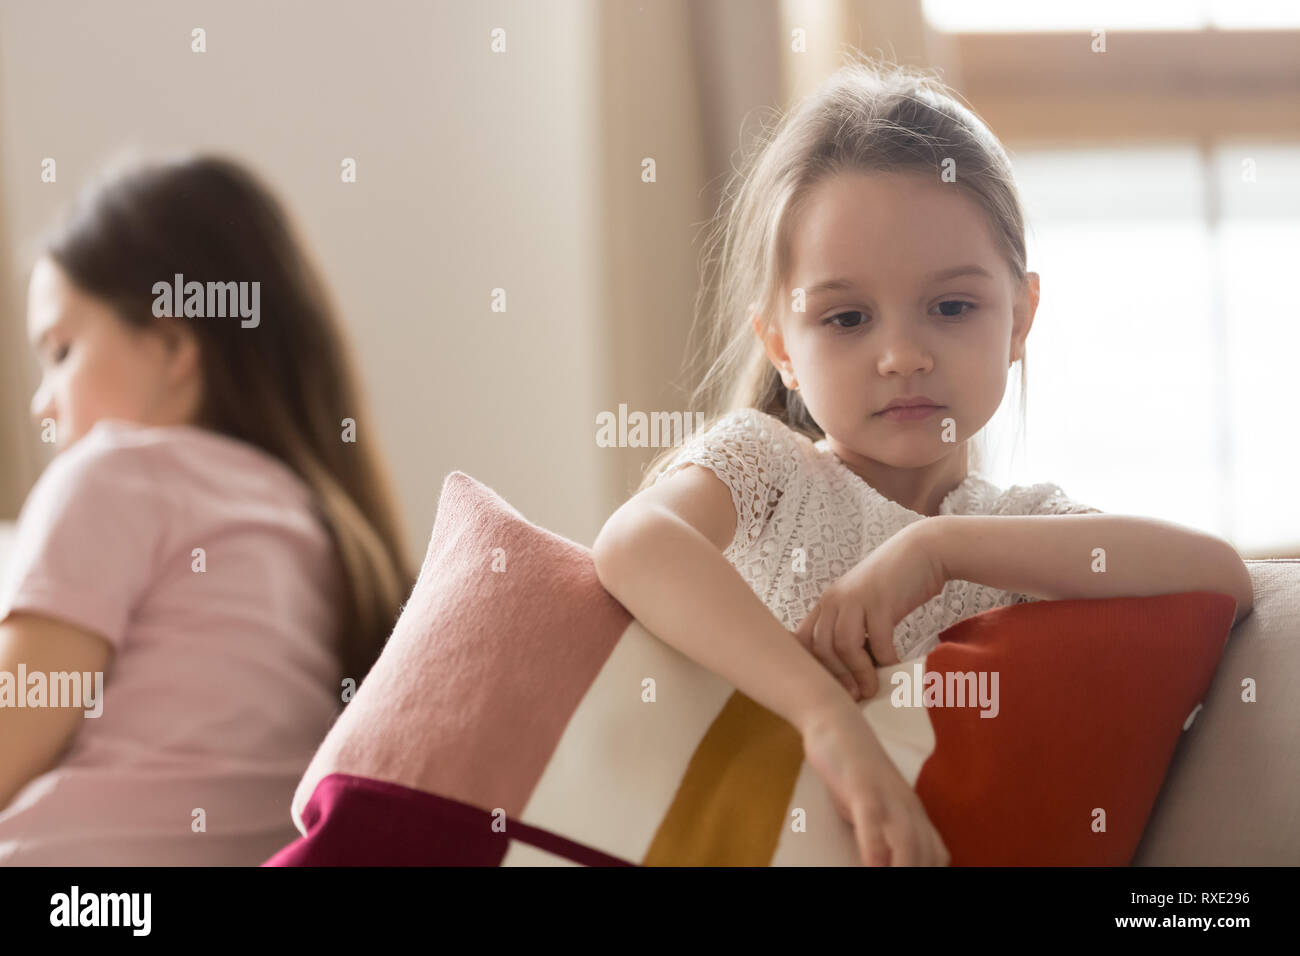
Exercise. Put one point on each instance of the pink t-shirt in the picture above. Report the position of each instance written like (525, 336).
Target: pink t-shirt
(224, 680)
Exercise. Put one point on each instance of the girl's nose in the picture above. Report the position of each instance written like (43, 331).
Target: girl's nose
(901, 352)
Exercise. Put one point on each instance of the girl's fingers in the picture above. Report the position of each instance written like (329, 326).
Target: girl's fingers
(931, 855)
(907, 846)
(881, 638)
(824, 648)
(872, 844)
(850, 646)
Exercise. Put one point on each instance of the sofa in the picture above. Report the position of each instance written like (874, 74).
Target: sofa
(1231, 796)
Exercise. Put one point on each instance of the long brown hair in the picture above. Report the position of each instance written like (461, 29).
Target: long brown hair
(868, 115)
(283, 385)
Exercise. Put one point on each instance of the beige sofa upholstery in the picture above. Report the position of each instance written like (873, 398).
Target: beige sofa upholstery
(1232, 794)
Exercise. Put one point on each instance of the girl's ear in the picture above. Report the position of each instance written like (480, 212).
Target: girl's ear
(1026, 305)
(774, 346)
(1031, 280)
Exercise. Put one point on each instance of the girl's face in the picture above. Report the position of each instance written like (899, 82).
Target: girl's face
(96, 366)
(894, 325)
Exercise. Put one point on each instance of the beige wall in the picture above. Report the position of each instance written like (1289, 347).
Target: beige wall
(475, 171)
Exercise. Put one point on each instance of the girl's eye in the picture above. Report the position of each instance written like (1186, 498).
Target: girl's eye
(59, 354)
(949, 309)
(955, 302)
(850, 315)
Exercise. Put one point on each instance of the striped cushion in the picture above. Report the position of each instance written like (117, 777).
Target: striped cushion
(519, 715)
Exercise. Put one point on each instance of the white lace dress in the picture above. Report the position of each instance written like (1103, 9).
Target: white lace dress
(791, 492)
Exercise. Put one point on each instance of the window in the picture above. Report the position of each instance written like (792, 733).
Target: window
(1162, 358)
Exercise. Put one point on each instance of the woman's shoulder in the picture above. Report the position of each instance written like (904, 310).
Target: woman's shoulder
(174, 458)
(102, 459)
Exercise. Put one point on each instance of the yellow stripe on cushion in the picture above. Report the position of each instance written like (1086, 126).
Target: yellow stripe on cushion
(730, 808)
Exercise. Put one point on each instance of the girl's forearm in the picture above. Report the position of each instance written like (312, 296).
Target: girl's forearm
(676, 583)
(1063, 557)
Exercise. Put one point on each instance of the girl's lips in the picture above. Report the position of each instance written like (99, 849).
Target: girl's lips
(912, 413)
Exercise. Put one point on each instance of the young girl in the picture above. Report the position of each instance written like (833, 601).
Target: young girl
(208, 541)
(873, 296)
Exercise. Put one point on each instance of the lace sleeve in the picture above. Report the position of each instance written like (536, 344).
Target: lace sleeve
(1044, 498)
(755, 456)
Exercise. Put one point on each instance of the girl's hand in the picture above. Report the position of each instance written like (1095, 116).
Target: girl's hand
(889, 821)
(851, 628)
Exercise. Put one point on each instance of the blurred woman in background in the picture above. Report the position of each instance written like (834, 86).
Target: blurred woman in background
(216, 535)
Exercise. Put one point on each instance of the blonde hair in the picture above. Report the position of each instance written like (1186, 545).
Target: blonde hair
(866, 117)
